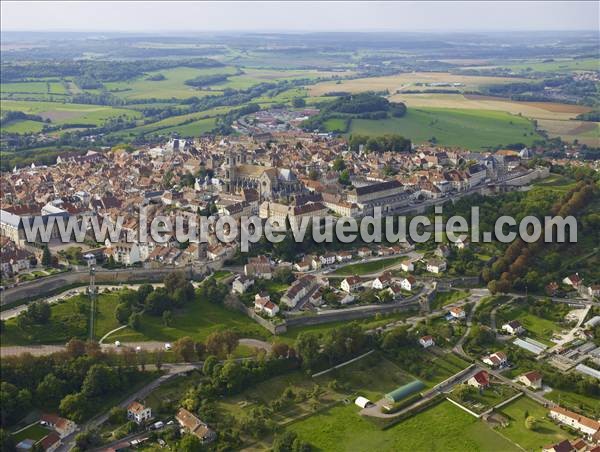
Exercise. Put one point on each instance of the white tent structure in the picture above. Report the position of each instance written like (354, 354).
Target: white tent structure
(362, 402)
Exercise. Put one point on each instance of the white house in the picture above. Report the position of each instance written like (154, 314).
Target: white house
(263, 303)
(426, 341)
(241, 284)
(124, 253)
(584, 424)
(407, 266)
(573, 280)
(408, 283)
(457, 312)
(350, 284)
(364, 252)
(328, 259)
(513, 327)
(532, 379)
(498, 359)
(382, 281)
(436, 265)
(138, 412)
(480, 380)
(343, 256)
(299, 288)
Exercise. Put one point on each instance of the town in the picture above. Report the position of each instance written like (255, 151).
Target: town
(471, 323)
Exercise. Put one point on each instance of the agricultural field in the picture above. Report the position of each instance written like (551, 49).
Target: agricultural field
(556, 65)
(555, 118)
(173, 87)
(410, 81)
(473, 129)
(443, 427)
(252, 77)
(546, 431)
(34, 90)
(65, 113)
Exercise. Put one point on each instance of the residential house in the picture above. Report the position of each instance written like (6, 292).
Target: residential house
(408, 283)
(442, 251)
(60, 425)
(436, 265)
(194, 426)
(138, 412)
(584, 424)
(426, 341)
(304, 265)
(480, 380)
(407, 266)
(263, 303)
(457, 312)
(350, 284)
(298, 290)
(241, 284)
(364, 252)
(395, 290)
(259, 267)
(563, 446)
(50, 442)
(532, 379)
(382, 281)
(498, 359)
(513, 327)
(123, 252)
(343, 256)
(328, 258)
(573, 280)
(594, 290)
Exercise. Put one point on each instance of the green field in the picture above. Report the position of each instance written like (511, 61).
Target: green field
(531, 440)
(472, 129)
(366, 268)
(537, 328)
(23, 126)
(195, 128)
(197, 320)
(443, 427)
(69, 318)
(65, 113)
(173, 87)
(35, 432)
(442, 299)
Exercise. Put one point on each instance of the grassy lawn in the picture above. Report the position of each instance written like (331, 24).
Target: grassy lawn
(23, 126)
(366, 268)
(576, 402)
(34, 432)
(538, 328)
(473, 129)
(197, 320)
(369, 323)
(546, 433)
(359, 377)
(69, 318)
(443, 427)
(445, 298)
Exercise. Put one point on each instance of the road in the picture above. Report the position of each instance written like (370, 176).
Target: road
(42, 350)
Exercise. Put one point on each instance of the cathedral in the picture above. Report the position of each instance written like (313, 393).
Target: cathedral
(270, 182)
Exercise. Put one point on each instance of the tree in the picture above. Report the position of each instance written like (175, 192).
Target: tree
(158, 301)
(74, 406)
(117, 415)
(167, 318)
(46, 257)
(50, 391)
(190, 443)
(99, 380)
(7, 442)
(184, 348)
(464, 392)
(122, 313)
(298, 102)
(75, 348)
(307, 345)
(209, 364)
(531, 423)
(135, 320)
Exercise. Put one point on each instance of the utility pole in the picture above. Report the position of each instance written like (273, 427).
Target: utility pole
(92, 295)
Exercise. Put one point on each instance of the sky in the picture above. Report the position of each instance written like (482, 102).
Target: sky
(299, 16)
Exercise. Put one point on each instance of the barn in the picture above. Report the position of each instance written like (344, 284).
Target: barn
(404, 391)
